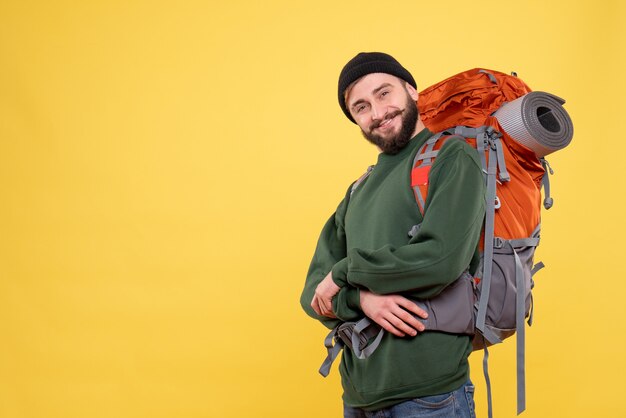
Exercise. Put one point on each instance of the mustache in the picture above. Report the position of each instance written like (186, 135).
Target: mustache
(391, 115)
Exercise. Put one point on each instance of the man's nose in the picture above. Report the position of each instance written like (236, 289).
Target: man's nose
(378, 111)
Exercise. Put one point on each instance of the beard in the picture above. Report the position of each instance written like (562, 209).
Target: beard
(396, 142)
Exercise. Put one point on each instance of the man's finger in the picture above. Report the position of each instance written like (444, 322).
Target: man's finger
(329, 309)
(316, 306)
(387, 326)
(323, 305)
(410, 320)
(405, 325)
(411, 307)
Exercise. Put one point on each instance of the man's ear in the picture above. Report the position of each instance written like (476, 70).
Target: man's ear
(412, 92)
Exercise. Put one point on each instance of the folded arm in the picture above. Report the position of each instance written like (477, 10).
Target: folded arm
(445, 243)
(331, 303)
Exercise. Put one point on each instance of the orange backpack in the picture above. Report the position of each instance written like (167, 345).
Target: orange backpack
(512, 129)
(469, 99)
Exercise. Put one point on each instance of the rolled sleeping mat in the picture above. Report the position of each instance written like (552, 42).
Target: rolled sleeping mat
(538, 121)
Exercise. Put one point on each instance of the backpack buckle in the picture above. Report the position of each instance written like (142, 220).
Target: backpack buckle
(498, 242)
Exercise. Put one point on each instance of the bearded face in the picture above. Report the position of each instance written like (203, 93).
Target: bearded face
(392, 142)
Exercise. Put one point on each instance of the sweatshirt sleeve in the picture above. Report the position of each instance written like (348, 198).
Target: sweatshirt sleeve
(446, 241)
(330, 255)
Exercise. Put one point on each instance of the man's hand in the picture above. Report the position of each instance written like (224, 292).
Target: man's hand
(322, 302)
(393, 313)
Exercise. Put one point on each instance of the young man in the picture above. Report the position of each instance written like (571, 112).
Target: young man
(365, 262)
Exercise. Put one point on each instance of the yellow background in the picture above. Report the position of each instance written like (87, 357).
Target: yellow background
(166, 166)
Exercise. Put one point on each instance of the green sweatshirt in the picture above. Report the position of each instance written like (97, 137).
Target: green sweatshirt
(366, 245)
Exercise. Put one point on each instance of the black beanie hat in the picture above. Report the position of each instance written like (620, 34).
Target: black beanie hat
(367, 63)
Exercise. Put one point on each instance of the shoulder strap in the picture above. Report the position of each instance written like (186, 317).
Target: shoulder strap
(422, 163)
(361, 179)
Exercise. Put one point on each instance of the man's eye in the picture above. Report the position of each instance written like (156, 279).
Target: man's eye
(384, 93)
(360, 108)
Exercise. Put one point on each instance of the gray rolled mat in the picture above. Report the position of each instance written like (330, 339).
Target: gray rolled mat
(538, 121)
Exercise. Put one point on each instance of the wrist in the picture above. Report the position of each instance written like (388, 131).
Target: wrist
(353, 299)
(339, 272)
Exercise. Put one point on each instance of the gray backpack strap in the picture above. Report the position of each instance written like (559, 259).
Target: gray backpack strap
(545, 182)
(481, 316)
(426, 153)
(489, 239)
(332, 349)
(485, 143)
(532, 241)
(537, 267)
(361, 179)
(514, 246)
(534, 270)
(354, 335)
(491, 76)
(503, 175)
(467, 132)
(488, 141)
(520, 313)
(524, 242)
(482, 146)
(486, 374)
(360, 327)
(424, 157)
